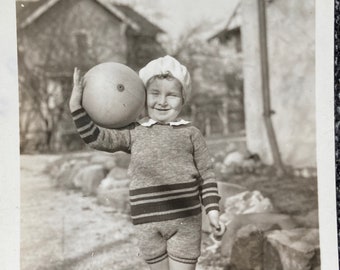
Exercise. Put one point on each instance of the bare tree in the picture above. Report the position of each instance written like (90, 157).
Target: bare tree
(214, 76)
(47, 55)
(42, 107)
(43, 85)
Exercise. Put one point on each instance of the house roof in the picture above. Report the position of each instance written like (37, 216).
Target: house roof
(232, 22)
(29, 11)
(139, 19)
(24, 9)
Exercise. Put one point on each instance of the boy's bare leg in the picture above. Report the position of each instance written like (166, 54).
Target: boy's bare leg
(162, 265)
(174, 265)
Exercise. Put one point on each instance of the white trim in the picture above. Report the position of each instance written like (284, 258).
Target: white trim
(169, 192)
(186, 195)
(38, 12)
(119, 14)
(148, 122)
(89, 133)
(110, 7)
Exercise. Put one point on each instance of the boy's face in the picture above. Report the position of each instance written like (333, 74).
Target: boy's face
(164, 99)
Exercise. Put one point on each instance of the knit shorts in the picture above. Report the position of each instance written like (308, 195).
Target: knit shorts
(179, 239)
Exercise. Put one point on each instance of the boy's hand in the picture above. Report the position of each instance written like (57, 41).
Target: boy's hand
(217, 226)
(214, 219)
(77, 91)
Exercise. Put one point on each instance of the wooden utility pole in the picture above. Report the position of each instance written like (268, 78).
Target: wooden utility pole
(267, 111)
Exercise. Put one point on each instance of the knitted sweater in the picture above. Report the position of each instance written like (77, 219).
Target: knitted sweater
(170, 169)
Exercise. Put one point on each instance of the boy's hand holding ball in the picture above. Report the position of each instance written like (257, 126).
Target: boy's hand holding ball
(77, 91)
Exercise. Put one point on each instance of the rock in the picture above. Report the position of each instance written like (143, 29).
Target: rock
(306, 173)
(225, 190)
(108, 161)
(99, 157)
(118, 173)
(262, 221)
(233, 158)
(89, 178)
(219, 156)
(228, 190)
(223, 171)
(117, 199)
(247, 251)
(61, 175)
(296, 249)
(53, 169)
(231, 147)
(114, 193)
(66, 172)
(111, 183)
(122, 159)
(246, 202)
(77, 166)
(310, 220)
(237, 169)
(248, 166)
(109, 164)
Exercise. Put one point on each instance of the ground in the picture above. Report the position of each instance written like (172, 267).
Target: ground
(64, 230)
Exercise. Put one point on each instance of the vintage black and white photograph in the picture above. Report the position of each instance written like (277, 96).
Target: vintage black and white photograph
(168, 135)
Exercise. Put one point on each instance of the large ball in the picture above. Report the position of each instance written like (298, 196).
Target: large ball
(114, 95)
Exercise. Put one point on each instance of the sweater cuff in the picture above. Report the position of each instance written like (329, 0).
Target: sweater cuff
(212, 203)
(77, 112)
(88, 131)
(210, 197)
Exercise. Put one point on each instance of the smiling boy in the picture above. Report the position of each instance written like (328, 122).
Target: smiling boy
(164, 98)
(170, 169)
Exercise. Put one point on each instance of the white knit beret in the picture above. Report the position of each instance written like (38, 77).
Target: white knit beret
(165, 65)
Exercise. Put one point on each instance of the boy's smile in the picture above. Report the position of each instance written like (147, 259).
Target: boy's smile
(164, 99)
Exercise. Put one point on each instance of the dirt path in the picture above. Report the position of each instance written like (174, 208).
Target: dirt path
(64, 230)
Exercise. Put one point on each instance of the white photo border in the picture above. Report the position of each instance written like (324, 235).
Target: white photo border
(9, 137)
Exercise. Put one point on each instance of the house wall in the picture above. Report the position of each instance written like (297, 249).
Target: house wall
(141, 49)
(50, 41)
(291, 46)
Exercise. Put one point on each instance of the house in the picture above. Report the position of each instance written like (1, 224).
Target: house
(229, 33)
(98, 29)
(227, 38)
(291, 47)
(54, 36)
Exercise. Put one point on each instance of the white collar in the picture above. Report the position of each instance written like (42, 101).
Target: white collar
(148, 122)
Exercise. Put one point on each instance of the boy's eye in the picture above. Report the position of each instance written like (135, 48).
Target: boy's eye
(174, 94)
(153, 92)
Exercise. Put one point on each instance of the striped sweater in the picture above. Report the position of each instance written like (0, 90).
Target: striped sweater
(170, 169)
